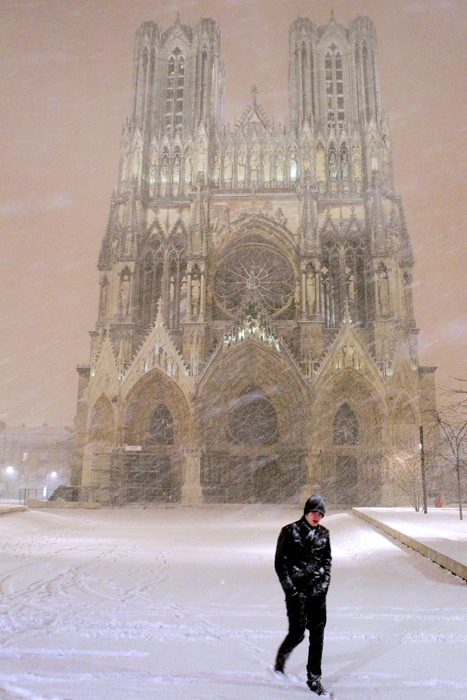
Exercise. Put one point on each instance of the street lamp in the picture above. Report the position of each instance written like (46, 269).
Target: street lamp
(8, 474)
(53, 475)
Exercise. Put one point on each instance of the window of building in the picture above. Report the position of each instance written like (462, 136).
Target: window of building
(345, 428)
(343, 280)
(176, 303)
(204, 81)
(161, 428)
(331, 278)
(151, 285)
(334, 72)
(355, 278)
(175, 93)
(367, 80)
(304, 82)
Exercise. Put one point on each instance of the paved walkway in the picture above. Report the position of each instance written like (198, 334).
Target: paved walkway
(438, 534)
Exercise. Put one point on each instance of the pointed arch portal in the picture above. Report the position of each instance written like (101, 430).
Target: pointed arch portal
(253, 428)
(156, 421)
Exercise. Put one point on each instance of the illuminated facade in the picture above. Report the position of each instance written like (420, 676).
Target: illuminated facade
(255, 337)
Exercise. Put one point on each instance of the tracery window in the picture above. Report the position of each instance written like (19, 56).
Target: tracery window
(204, 65)
(150, 285)
(368, 80)
(144, 71)
(355, 278)
(304, 74)
(343, 280)
(176, 276)
(305, 77)
(345, 428)
(312, 78)
(254, 273)
(334, 86)
(175, 93)
(333, 292)
(161, 427)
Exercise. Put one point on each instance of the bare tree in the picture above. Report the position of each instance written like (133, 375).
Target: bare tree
(452, 424)
(459, 392)
(406, 475)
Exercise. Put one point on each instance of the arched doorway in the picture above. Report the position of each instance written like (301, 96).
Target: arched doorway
(345, 438)
(252, 428)
(148, 466)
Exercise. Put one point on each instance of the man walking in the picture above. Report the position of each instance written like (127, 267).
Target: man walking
(303, 565)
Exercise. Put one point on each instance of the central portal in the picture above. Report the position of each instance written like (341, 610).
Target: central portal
(266, 478)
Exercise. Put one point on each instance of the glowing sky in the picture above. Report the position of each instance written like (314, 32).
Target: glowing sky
(65, 86)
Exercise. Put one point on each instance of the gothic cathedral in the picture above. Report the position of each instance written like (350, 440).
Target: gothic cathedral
(255, 338)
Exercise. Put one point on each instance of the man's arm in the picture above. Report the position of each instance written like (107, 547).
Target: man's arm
(326, 563)
(281, 561)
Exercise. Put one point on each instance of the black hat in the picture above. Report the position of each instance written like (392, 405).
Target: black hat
(315, 504)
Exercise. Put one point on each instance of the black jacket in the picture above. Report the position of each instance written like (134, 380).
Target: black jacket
(303, 559)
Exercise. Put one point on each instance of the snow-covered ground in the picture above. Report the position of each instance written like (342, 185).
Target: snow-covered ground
(183, 604)
(439, 529)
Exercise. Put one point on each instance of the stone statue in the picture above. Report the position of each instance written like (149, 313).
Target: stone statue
(332, 166)
(124, 295)
(383, 292)
(195, 295)
(311, 292)
(345, 165)
(188, 168)
(241, 166)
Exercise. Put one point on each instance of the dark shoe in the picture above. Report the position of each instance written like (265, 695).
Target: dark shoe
(316, 687)
(279, 666)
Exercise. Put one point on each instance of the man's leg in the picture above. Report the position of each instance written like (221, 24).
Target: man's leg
(296, 614)
(316, 622)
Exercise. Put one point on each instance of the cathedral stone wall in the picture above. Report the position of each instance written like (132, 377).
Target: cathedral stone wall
(255, 337)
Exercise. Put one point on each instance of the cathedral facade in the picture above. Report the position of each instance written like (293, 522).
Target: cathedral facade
(255, 338)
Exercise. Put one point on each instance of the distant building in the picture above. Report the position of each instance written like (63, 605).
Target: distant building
(34, 459)
(255, 337)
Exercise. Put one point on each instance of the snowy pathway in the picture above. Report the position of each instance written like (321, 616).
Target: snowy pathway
(183, 604)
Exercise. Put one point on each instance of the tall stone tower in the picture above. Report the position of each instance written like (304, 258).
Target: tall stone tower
(255, 336)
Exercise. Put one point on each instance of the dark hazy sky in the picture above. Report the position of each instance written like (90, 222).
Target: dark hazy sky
(65, 86)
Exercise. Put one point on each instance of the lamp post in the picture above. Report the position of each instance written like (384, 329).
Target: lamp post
(8, 476)
(52, 476)
(422, 463)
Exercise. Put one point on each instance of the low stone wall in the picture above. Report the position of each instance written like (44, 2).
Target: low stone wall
(60, 503)
(443, 560)
(4, 509)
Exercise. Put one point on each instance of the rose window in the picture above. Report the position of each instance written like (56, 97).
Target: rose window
(254, 274)
(253, 419)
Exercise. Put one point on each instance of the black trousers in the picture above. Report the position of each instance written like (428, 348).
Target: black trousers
(305, 613)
